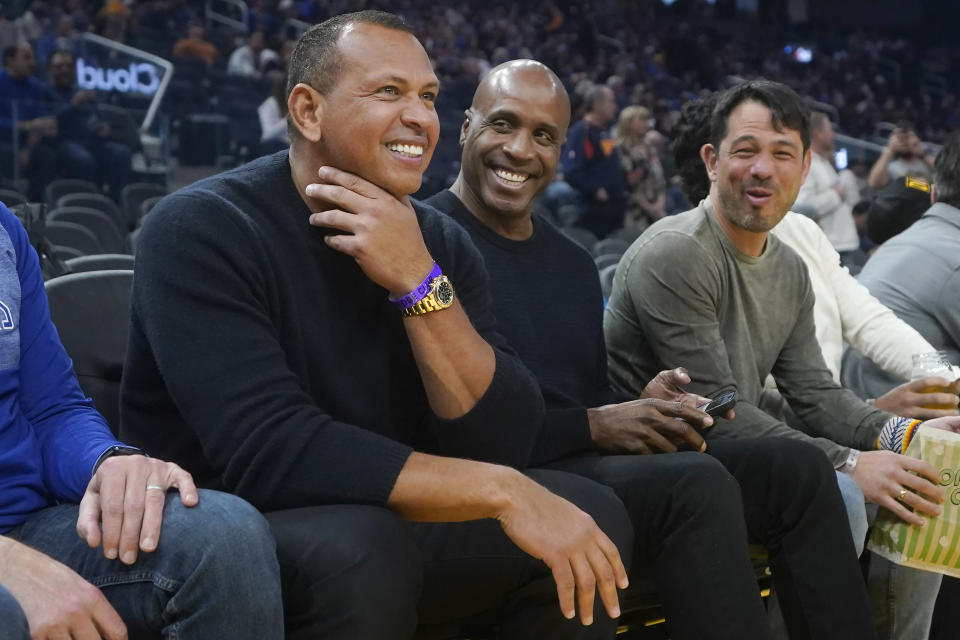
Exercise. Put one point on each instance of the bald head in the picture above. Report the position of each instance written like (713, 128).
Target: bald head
(511, 138)
(506, 78)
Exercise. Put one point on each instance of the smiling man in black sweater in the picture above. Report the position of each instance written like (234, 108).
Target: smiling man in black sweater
(286, 346)
(686, 508)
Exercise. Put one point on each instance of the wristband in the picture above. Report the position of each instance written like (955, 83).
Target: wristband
(422, 291)
(851, 462)
(897, 434)
(116, 450)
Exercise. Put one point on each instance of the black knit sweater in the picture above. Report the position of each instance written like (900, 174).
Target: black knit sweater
(269, 365)
(549, 306)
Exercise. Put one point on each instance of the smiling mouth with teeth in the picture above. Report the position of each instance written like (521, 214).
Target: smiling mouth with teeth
(509, 176)
(407, 150)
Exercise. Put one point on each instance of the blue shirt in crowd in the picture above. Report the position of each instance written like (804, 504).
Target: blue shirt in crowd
(30, 97)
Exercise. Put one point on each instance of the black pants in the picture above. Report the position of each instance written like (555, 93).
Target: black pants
(359, 572)
(693, 515)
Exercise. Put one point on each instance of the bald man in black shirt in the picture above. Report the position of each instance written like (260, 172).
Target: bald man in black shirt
(690, 526)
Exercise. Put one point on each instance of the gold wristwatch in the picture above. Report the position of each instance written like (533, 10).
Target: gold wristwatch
(440, 297)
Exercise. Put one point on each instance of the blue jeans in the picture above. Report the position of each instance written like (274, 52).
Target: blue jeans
(214, 574)
(856, 509)
(902, 598)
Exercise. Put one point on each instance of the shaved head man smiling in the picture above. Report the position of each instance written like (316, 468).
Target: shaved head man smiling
(686, 507)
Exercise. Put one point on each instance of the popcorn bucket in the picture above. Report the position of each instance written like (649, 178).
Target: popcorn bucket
(936, 546)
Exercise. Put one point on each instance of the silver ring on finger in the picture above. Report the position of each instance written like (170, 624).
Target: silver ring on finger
(902, 495)
(155, 487)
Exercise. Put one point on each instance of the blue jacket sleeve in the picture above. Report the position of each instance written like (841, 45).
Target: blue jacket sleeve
(71, 433)
(575, 158)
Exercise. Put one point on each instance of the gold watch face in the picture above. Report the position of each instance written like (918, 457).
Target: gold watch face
(443, 291)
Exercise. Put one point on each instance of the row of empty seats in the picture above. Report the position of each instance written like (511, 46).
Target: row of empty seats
(82, 221)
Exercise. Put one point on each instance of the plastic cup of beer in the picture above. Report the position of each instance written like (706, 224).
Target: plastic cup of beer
(934, 363)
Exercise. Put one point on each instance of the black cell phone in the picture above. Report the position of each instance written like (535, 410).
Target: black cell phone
(719, 405)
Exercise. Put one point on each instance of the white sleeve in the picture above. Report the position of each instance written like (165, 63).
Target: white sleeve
(817, 194)
(873, 329)
(241, 63)
(273, 126)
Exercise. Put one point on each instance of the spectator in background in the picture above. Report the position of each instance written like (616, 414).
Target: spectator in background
(260, 16)
(25, 117)
(113, 21)
(897, 206)
(917, 274)
(164, 15)
(591, 164)
(822, 196)
(273, 117)
(63, 37)
(642, 169)
(903, 155)
(252, 58)
(193, 45)
(85, 147)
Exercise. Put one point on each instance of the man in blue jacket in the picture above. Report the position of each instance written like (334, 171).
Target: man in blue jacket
(591, 164)
(213, 575)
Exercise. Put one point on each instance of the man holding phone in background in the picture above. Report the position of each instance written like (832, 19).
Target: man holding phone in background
(904, 155)
(686, 520)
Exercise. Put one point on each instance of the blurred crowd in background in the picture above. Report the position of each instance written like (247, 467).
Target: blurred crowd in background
(226, 102)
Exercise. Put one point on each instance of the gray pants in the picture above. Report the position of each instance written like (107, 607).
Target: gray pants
(902, 598)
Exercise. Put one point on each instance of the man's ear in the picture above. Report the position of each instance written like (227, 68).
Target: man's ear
(709, 156)
(305, 105)
(465, 126)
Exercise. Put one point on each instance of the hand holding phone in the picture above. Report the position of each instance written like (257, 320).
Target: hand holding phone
(717, 407)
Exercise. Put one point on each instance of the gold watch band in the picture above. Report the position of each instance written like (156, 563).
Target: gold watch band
(426, 305)
(430, 302)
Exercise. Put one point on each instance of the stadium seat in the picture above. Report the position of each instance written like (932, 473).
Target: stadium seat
(92, 312)
(58, 188)
(101, 224)
(145, 208)
(101, 262)
(131, 242)
(606, 260)
(606, 280)
(12, 198)
(66, 253)
(582, 237)
(610, 245)
(133, 196)
(94, 201)
(626, 233)
(72, 235)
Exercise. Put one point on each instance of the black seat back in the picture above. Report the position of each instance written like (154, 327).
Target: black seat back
(101, 224)
(96, 201)
(101, 262)
(92, 313)
(72, 235)
(59, 188)
(132, 198)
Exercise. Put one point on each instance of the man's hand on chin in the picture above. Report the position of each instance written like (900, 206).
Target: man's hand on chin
(380, 232)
